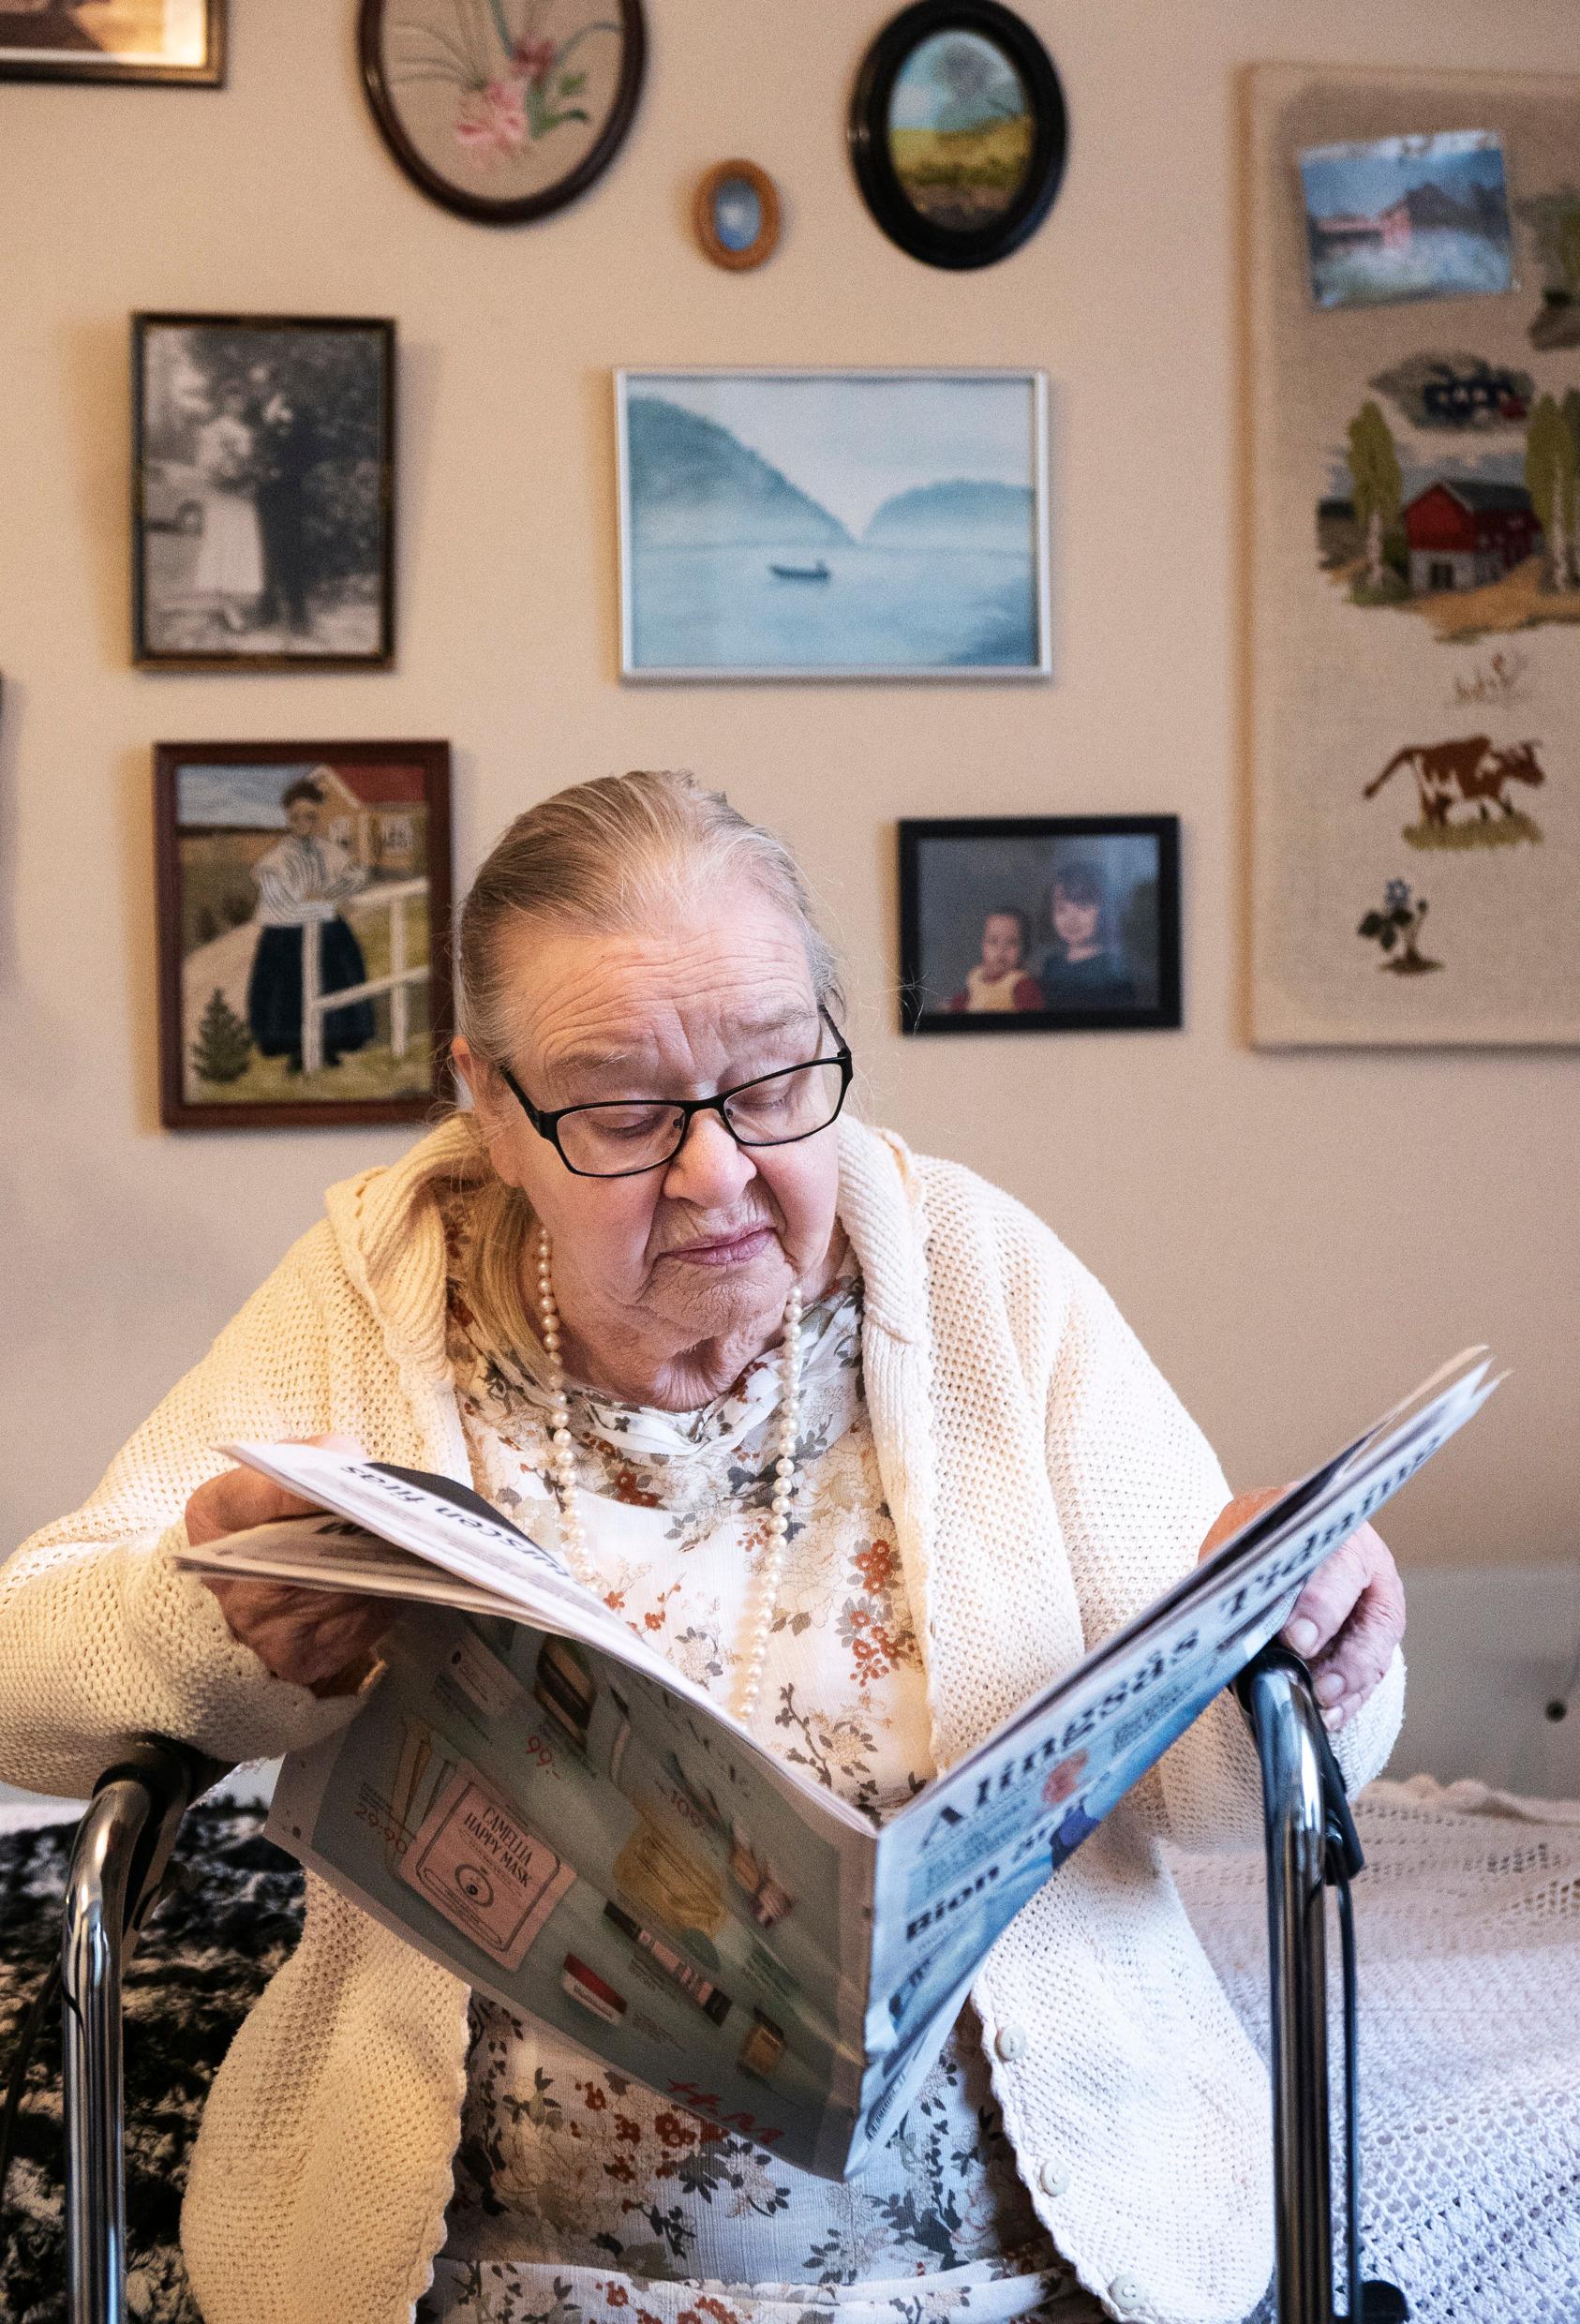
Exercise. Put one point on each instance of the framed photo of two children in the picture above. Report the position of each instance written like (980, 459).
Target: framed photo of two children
(1040, 924)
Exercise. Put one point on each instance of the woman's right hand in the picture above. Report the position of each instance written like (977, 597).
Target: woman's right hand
(320, 1639)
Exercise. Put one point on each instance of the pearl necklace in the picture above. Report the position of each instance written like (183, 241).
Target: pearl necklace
(752, 1652)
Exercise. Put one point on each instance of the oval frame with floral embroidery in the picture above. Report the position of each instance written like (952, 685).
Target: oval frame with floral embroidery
(511, 98)
(881, 185)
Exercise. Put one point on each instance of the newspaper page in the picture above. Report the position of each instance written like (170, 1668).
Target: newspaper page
(960, 1860)
(537, 1800)
(568, 1835)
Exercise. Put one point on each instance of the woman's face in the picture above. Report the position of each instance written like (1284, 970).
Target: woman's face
(303, 817)
(1075, 924)
(1001, 944)
(705, 1248)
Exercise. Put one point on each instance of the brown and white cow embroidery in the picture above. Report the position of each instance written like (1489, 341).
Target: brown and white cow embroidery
(1459, 784)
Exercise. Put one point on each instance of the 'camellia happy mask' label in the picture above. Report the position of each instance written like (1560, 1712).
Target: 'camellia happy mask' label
(490, 1875)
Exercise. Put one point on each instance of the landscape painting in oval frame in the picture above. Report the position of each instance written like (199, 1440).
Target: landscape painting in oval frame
(958, 131)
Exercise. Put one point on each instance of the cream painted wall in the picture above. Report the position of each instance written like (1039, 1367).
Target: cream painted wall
(1295, 1237)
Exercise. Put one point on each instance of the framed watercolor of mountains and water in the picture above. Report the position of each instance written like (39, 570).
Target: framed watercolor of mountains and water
(833, 525)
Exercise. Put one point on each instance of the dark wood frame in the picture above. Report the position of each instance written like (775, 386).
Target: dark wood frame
(765, 240)
(175, 1112)
(1166, 1012)
(524, 206)
(148, 657)
(208, 75)
(881, 188)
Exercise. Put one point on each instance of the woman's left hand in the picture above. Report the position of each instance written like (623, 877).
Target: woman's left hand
(1348, 1620)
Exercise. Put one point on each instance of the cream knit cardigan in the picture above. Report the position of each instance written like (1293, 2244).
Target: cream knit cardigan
(1045, 1484)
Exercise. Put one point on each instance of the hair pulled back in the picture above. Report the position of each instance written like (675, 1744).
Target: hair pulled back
(616, 855)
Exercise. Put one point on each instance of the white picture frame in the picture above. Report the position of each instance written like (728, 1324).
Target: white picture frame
(749, 501)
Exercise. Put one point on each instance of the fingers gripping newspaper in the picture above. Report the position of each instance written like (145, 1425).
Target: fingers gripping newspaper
(536, 1800)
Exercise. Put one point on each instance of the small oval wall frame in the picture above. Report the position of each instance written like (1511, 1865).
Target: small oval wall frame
(740, 256)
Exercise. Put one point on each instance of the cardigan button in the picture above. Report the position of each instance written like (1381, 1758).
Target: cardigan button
(1010, 2041)
(1052, 2179)
(1128, 2295)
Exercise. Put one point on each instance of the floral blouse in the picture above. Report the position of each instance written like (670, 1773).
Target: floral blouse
(577, 2191)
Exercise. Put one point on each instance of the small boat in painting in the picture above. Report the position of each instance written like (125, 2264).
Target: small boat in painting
(800, 572)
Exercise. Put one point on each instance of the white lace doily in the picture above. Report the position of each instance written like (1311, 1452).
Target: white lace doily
(1468, 1921)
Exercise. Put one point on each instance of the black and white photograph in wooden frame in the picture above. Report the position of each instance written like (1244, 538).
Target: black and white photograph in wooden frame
(1040, 924)
(262, 491)
(114, 40)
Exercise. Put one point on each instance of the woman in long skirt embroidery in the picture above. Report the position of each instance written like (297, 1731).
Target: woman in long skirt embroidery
(302, 882)
(230, 562)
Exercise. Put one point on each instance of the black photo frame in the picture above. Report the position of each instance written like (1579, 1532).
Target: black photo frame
(984, 881)
(514, 130)
(54, 46)
(332, 483)
(932, 234)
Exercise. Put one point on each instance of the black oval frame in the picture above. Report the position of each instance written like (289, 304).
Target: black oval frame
(524, 206)
(881, 188)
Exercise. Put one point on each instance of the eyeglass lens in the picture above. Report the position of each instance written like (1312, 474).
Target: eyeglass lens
(606, 1142)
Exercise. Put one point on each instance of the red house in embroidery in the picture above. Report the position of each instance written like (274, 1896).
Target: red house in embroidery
(1462, 535)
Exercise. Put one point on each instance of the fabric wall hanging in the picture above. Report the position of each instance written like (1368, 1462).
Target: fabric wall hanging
(1415, 590)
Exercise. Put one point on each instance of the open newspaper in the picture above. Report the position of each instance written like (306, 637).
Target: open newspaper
(536, 1800)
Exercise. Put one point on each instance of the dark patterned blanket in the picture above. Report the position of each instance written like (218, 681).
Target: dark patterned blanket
(233, 1914)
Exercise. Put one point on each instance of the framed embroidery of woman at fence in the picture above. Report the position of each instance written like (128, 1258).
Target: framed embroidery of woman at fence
(303, 894)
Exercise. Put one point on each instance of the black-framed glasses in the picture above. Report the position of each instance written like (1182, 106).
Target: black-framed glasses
(622, 1137)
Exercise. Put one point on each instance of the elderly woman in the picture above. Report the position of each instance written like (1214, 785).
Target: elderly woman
(577, 1299)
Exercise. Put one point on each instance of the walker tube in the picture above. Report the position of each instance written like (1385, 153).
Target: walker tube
(91, 1958)
(1285, 1721)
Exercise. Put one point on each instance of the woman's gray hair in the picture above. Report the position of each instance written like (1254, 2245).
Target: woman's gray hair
(616, 855)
